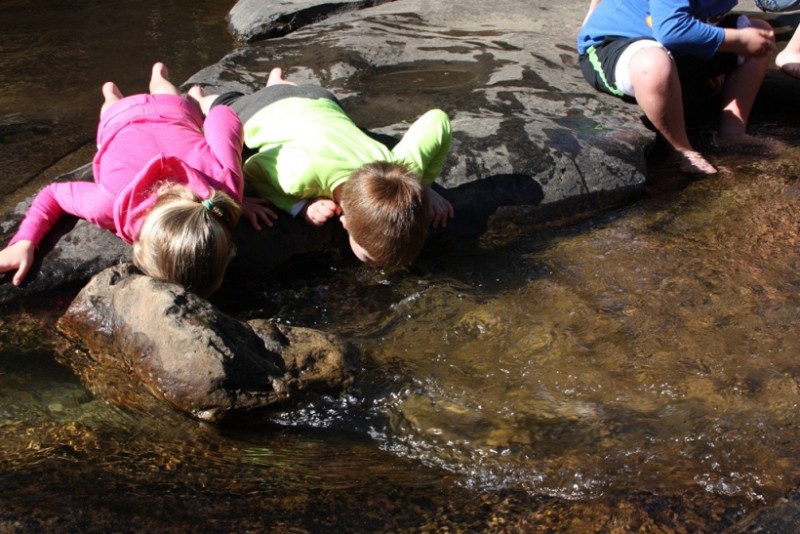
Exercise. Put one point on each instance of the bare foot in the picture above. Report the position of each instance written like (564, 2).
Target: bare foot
(197, 95)
(159, 81)
(111, 91)
(276, 77)
(160, 70)
(789, 62)
(112, 94)
(693, 162)
(196, 92)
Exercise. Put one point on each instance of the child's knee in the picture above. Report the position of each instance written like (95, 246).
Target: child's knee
(652, 66)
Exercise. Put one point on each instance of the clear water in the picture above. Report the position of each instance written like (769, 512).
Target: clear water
(635, 371)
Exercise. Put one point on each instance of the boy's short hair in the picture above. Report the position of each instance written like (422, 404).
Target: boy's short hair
(386, 207)
(187, 240)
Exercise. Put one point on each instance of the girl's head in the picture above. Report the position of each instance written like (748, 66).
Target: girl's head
(386, 214)
(187, 240)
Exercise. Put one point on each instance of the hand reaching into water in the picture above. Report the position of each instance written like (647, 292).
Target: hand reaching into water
(439, 209)
(255, 209)
(18, 256)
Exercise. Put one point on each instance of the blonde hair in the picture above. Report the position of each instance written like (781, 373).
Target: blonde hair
(386, 207)
(187, 240)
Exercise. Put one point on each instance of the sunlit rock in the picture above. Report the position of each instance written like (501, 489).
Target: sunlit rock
(140, 339)
(252, 20)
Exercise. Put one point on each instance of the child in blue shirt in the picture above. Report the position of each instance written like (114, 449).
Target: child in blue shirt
(635, 49)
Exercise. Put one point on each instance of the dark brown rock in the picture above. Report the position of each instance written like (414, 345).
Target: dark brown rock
(140, 339)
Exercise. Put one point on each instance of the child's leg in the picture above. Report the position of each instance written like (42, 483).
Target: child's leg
(788, 59)
(740, 90)
(112, 94)
(159, 81)
(657, 89)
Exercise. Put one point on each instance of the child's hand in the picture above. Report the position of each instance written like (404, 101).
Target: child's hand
(320, 210)
(18, 256)
(439, 209)
(255, 209)
(753, 42)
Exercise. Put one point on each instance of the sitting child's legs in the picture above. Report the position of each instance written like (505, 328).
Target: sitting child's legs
(740, 91)
(159, 81)
(656, 86)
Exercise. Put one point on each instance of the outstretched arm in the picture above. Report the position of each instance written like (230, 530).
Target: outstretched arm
(19, 257)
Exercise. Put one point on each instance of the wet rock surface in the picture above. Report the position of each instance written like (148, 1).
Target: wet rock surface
(141, 340)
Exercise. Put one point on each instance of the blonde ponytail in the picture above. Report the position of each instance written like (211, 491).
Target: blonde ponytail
(187, 240)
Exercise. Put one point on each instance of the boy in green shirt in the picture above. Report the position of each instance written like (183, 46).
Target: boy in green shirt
(312, 159)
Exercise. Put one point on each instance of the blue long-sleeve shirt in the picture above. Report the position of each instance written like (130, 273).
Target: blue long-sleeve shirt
(680, 25)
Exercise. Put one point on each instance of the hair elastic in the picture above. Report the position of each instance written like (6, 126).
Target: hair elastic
(208, 204)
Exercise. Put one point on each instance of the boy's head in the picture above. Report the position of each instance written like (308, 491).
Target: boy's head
(187, 240)
(386, 214)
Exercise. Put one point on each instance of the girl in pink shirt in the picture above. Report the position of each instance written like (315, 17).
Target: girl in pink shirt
(166, 179)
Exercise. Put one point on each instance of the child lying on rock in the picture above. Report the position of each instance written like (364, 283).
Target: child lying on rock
(313, 160)
(166, 179)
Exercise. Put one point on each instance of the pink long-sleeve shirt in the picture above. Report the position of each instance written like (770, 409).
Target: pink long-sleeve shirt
(143, 141)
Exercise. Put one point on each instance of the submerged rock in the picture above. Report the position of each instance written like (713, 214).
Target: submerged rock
(141, 340)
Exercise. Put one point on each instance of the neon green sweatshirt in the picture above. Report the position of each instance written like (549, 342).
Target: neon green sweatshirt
(309, 147)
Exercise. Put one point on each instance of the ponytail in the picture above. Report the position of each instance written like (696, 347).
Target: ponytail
(187, 240)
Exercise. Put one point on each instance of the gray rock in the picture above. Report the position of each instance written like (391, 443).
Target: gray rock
(252, 20)
(139, 341)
